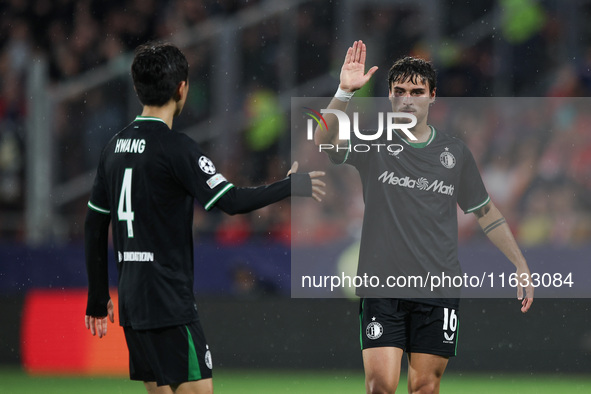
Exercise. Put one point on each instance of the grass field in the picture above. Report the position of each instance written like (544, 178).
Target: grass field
(14, 381)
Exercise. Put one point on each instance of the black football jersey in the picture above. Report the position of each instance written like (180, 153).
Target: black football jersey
(410, 221)
(147, 180)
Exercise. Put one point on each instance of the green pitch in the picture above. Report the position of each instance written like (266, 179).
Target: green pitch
(14, 381)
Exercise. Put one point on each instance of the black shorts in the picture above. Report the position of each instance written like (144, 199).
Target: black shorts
(169, 355)
(411, 326)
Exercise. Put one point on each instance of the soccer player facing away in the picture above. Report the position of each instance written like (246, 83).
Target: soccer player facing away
(420, 223)
(147, 179)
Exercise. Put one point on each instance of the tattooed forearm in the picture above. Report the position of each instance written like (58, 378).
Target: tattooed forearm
(494, 225)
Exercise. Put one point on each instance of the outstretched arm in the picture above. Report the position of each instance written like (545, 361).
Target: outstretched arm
(99, 306)
(246, 199)
(497, 230)
(352, 78)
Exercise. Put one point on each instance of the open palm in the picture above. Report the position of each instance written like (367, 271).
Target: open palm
(353, 75)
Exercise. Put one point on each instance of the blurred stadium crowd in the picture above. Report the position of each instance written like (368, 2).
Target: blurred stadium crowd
(537, 169)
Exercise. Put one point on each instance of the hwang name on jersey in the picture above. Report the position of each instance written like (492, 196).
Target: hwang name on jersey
(128, 145)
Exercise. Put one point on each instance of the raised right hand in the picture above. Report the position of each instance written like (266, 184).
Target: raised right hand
(353, 75)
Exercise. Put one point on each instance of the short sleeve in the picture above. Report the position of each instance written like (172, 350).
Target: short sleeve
(99, 198)
(198, 174)
(472, 194)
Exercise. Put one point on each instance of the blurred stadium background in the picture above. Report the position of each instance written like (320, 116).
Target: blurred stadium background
(65, 90)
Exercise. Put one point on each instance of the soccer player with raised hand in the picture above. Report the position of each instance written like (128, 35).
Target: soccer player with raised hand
(410, 227)
(147, 180)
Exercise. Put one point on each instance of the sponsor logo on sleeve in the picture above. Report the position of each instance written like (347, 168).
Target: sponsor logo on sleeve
(215, 180)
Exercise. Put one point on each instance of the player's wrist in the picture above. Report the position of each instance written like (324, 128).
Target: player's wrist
(301, 184)
(343, 94)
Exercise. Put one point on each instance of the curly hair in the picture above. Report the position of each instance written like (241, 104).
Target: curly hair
(414, 70)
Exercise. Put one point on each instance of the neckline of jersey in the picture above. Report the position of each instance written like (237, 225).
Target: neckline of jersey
(420, 144)
(140, 117)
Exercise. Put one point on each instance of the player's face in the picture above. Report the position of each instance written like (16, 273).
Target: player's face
(413, 98)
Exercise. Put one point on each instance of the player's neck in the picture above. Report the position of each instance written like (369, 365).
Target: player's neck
(421, 132)
(166, 113)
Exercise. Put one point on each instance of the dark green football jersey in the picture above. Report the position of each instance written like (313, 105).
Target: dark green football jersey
(147, 180)
(410, 228)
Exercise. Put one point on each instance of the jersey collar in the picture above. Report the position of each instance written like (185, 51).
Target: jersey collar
(420, 144)
(139, 117)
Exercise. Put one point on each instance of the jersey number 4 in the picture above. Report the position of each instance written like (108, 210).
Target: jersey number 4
(124, 211)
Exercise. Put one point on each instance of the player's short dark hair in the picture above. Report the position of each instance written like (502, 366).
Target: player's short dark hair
(157, 70)
(414, 70)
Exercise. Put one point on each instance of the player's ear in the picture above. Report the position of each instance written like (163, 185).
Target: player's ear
(432, 95)
(181, 90)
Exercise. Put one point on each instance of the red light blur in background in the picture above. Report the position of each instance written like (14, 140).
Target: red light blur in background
(54, 339)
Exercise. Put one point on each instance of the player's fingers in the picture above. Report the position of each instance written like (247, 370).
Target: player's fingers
(318, 182)
(357, 54)
(92, 323)
(349, 55)
(371, 71)
(519, 292)
(111, 311)
(317, 190)
(99, 328)
(363, 54)
(530, 291)
(102, 327)
(316, 197)
(316, 174)
(293, 169)
(353, 52)
(87, 322)
(526, 304)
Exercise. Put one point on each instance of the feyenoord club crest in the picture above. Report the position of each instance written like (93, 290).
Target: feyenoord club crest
(447, 159)
(374, 330)
(208, 361)
(206, 165)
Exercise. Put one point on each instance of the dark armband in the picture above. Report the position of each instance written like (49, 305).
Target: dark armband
(301, 185)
